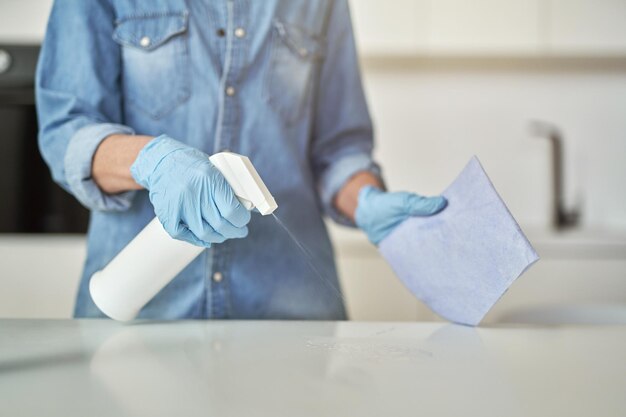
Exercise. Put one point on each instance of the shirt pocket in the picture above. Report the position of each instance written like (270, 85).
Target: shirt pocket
(155, 61)
(294, 57)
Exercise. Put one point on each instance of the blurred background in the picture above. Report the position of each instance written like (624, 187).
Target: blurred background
(535, 88)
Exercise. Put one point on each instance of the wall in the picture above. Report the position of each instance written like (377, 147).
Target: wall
(23, 21)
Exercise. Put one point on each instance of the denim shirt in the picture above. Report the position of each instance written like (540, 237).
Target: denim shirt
(275, 80)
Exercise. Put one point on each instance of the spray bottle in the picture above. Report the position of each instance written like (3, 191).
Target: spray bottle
(153, 258)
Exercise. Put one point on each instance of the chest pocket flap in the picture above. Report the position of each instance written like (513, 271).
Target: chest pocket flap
(296, 54)
(299, 41)
(150, 31)
(155, 62)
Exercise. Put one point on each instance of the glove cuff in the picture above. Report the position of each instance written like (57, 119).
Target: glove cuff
(359, 215)
(151, 156)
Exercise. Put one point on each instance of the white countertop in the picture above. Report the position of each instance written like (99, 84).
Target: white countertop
(220, 368)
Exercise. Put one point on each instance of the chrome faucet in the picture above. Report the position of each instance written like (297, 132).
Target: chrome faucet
(562, 218)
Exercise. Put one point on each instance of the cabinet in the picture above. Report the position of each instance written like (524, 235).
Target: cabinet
(579, 277)
(582, 28)
(553, 290)
(571, 274)
(484, 26)
(589, 27)
(384, 28)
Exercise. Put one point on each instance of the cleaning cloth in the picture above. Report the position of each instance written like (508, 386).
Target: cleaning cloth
(461, 261)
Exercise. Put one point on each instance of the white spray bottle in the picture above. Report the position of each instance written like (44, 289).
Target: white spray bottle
(153, 258)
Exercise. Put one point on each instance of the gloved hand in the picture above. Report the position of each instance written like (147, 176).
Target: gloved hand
(379, 212)
(190, 196)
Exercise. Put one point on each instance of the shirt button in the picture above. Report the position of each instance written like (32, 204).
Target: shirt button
(145, 41)
(230, 91)
(240, 32)
(218, 277)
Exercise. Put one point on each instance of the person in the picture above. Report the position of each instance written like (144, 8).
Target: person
(133, 96)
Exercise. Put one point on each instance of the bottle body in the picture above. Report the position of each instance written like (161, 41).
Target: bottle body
(146, 265)
(153, 258)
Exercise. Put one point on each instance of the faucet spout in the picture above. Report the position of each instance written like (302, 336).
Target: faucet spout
(562, 218)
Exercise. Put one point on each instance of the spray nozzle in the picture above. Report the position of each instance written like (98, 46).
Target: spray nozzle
(245, 181)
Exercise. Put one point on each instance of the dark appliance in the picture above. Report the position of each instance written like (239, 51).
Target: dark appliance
(30, 201)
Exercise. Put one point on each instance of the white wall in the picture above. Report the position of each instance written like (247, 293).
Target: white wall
(23, 21)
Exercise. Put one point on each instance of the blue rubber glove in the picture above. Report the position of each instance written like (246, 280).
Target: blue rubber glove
(379, 212)
(190, 196)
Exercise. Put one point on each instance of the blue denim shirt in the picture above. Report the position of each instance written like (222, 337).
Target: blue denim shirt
(275, 80)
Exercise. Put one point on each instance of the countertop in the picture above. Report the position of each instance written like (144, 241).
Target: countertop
(264, 368)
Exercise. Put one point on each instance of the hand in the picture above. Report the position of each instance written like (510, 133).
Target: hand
(190, 196)
(379, 212)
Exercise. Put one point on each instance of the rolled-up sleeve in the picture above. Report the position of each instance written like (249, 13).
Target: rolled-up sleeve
(343, 134)
(77, 164)
(78, 97)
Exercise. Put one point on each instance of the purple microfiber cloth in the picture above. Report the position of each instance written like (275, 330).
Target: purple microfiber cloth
(461, 261)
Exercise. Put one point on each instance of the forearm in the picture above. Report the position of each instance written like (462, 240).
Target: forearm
(115, 155)
(112, 161)
(347, 198)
